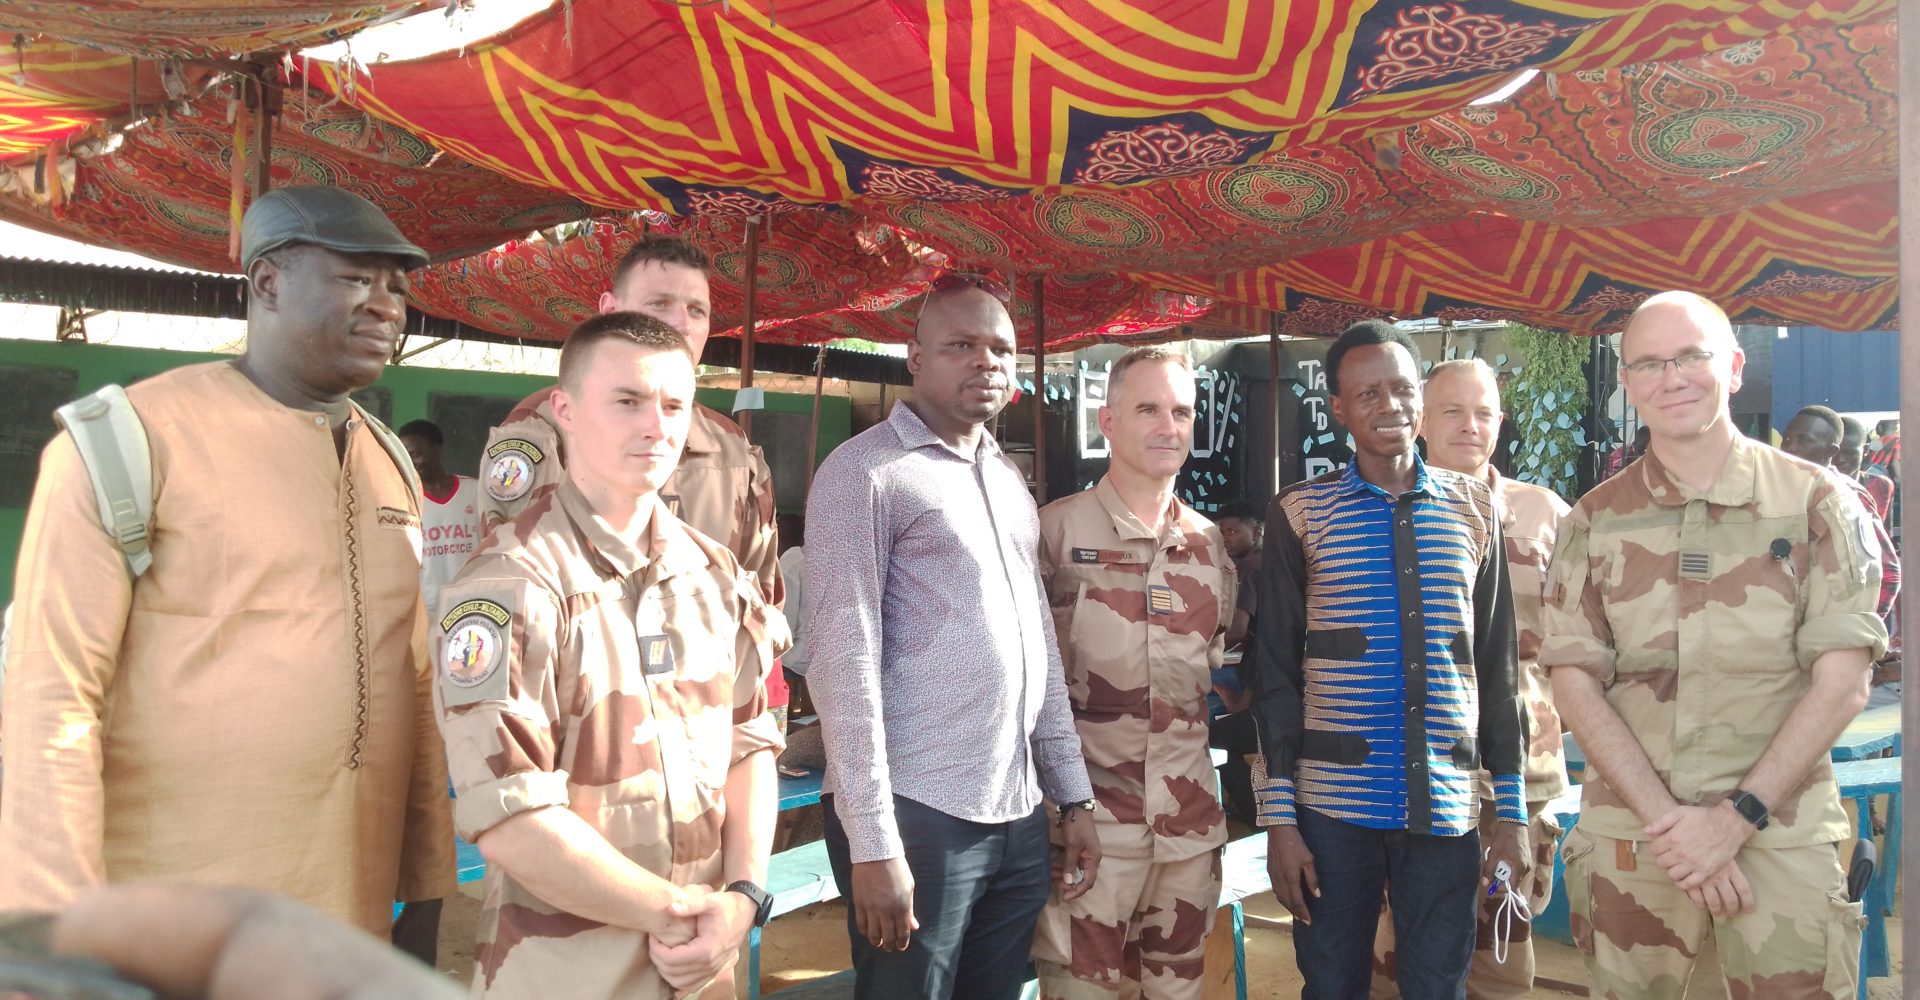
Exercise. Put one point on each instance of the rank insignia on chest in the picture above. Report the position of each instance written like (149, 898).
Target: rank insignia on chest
(1086, 555)
(656, 652)
(1159, 599)
(1696, 565)
(672, 500)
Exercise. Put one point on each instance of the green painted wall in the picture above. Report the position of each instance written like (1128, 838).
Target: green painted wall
(781, 431)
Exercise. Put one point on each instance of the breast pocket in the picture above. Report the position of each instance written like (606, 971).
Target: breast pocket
(689, 663)
(1108, 629)
(1754, 594)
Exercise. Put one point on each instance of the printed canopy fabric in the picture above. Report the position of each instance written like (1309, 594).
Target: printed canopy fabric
(707, 108)
(1829, 259)
(201, 28)
(824, 275)
(1152, 161)
(164, 192)
(51, 92)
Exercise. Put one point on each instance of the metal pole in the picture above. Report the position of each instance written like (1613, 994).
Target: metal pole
(264, 110)
(1908, 117)
(1039, 389)
(745, 417)
(1273, 397)
(813, 429)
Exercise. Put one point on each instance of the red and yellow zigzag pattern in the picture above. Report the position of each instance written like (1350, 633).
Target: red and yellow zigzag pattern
(638, 102)
(1827, 260)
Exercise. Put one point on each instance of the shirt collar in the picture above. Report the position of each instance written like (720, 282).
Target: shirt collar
(1126, 523)
(1351, 481)
(914, 435)
(701, 430)
(1732, 488)
(667, 546)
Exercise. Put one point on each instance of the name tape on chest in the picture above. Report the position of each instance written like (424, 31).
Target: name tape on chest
(1094, 557)
(656, 654)
(475, 643)
(510, 468)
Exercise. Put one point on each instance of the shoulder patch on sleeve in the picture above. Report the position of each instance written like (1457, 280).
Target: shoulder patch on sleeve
(510, 465)
(473, 650)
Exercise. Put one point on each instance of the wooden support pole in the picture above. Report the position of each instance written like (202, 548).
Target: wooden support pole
(1908, 118)
(813, 428)
(1039, 389)
(266, 108)
(1273, 397)
(745, 417)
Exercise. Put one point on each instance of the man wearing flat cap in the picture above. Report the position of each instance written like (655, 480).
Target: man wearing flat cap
(255, 708)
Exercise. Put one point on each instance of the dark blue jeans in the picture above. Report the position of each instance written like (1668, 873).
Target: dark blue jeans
(978, 889)
(1431, 882)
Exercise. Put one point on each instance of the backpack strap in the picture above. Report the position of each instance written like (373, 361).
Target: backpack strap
(113, 445)
(395, 450)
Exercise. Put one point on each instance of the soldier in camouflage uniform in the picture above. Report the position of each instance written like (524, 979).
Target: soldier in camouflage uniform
(600, 692)
(1461, 424)
(1710, 631)
(722, 487)
(1142, 591)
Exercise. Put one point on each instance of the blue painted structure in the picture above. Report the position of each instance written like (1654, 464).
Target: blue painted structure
(1851, 372)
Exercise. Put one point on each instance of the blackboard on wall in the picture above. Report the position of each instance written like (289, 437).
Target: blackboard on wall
(782, 436)
(465, 420)
(28, 396)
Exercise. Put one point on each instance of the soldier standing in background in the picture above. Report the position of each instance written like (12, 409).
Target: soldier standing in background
(1142, 592)
(1710, 632)
(722, 487)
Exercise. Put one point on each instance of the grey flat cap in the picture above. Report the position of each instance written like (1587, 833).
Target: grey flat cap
(325, 217)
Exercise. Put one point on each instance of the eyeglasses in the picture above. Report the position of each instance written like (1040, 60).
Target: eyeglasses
(954, 281)
(1691, 363)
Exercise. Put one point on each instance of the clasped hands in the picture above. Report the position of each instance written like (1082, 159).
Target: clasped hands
(1696, 846)
(699, 936)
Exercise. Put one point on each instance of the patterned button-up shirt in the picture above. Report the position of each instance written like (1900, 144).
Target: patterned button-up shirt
(1384, 672)
(622, 683)
(1702, 613)
(1141, 620)
(933, 663)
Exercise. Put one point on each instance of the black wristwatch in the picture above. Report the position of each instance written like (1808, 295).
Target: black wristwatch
(762, 903)
(1749, 807)
(1090, 805)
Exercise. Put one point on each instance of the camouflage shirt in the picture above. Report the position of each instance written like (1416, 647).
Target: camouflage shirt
(1529, 519)
(722, 487)
(1141, 621)
(1701, 613)
(577, 671)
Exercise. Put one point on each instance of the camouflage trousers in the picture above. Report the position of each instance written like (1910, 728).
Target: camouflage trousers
(1141, 931)
(1640, 934)
(1489, 979)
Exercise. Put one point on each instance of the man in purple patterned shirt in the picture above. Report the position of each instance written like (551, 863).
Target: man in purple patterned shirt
(937, 678)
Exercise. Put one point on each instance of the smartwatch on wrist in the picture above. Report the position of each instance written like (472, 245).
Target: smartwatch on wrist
(1749, 807)
(762, 903)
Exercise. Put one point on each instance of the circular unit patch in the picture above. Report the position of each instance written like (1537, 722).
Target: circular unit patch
(509, 476)
(473, 651)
